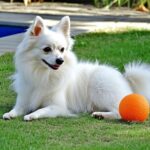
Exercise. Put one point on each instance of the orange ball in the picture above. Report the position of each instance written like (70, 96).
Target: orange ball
(134, 107)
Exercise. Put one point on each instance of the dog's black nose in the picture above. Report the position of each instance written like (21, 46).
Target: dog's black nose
(59, 61)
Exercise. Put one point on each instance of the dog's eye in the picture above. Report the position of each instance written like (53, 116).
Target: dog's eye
(62, 49)
(47, 49)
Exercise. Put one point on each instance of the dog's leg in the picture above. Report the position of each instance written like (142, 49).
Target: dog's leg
(50, 111)
(106, 115)
(13, 113)
(19, 109)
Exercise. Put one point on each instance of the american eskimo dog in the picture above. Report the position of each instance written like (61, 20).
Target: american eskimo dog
(50, 82)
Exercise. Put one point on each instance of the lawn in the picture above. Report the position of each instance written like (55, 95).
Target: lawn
(82, 132)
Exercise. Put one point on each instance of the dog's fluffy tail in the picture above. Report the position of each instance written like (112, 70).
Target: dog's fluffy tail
(138, 76)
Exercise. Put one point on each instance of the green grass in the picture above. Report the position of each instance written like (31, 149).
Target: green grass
(82, 132)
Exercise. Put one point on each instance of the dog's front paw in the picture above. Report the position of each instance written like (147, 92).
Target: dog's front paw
(30, 117)
(9, 115)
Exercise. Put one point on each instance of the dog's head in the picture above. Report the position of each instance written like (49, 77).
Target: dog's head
(48, 46)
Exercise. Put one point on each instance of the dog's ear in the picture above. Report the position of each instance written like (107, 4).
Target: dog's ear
(63, 26)
(37, 26)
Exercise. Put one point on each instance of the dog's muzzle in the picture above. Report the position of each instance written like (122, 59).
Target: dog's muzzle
(59, 61)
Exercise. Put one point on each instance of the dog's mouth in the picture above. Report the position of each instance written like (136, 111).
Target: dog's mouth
(55, 66)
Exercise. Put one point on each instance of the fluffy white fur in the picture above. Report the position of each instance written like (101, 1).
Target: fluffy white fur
(48, 89)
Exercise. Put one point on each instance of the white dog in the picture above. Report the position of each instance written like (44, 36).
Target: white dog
(50, 82)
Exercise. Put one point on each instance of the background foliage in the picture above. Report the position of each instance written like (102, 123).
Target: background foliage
(129, 3)
(109, 3)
